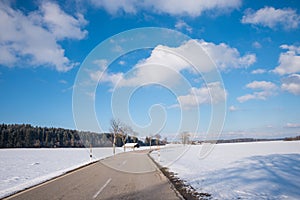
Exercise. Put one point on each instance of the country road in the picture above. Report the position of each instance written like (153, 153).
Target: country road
(130, 175)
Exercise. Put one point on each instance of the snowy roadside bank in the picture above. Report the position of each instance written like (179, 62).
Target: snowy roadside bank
(264, 170)
(24, 168)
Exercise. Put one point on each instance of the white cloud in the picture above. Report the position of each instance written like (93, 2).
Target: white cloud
(227, 57)
(212, 93)
(30, 40)
(61, 24)
(258, 71)
(292, 125)
(102, 76)
(165, 64)
(263, 95)
(63, 81)
(224, 56)
(271, 17)
(263, 85)
(233, 108)
(115, 6)
(7, 56)
(122, 62)
(289, 62)
(267, 89)
(172, 7)
(160, 67)
(91, 95)
(102, 63)
(246, 97)
(291, 84)
(180, 25)
(256, 45)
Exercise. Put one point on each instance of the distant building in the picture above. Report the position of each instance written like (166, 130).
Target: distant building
(131, 145)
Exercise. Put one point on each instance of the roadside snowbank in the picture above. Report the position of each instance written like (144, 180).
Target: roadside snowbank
(23, 168)
(258, 170)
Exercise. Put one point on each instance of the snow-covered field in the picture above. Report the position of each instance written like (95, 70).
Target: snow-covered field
(258, 170)
(22, 168)
(262, 170)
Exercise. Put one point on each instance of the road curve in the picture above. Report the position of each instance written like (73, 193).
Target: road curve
(131, 175)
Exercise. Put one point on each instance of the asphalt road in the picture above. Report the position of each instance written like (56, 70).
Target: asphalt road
(130, 175)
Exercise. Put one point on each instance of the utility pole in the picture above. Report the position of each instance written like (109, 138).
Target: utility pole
(91, 153)
(158, 153)
(114, 144)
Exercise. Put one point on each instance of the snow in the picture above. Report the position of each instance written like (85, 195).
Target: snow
(22, 168)
(261, 170)
(258, 170)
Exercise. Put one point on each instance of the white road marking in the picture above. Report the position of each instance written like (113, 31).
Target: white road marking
(123, 163)
(102, 188)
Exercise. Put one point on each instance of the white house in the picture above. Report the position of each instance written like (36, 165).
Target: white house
(131, 145)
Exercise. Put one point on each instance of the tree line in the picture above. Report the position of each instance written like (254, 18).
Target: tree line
(28, 136)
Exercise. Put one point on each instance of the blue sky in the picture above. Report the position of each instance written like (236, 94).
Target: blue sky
(255, 46)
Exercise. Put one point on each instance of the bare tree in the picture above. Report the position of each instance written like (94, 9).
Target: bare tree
(125, 131)
(119, 129)
(185, 137)
(135, 134)
(157, 137)
(115, 128)
(165, 140)
(150, 139)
